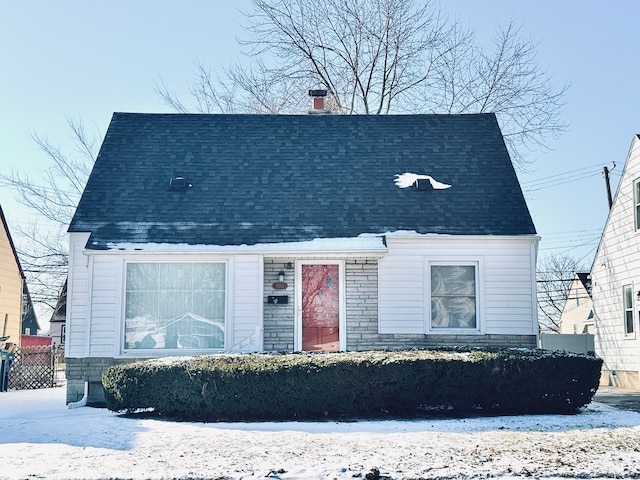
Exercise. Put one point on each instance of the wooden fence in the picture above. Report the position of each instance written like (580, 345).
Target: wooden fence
(36, 367)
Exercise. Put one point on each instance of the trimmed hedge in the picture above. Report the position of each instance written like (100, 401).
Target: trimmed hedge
(358, 384)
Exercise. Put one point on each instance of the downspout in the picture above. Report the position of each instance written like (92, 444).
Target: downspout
(83, 401)
(534, 271)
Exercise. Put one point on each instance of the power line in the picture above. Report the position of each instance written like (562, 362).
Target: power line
(562, 174)
(561, 178)
(571, 232)
(569, 246)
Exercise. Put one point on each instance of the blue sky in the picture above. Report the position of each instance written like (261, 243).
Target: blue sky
(89, 59)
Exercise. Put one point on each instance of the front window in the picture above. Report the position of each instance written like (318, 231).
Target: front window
(627, 294)
(453, 297)
(175, 305)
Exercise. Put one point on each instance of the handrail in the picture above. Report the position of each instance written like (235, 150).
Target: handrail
(227, 350)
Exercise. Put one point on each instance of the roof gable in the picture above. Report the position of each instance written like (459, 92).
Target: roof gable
(10, 242)
(619, 225)
(585, 280)
(281, 178)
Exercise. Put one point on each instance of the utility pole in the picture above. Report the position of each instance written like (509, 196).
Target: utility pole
(605, 173)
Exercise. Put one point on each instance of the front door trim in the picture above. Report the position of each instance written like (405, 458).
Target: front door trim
(298, 301)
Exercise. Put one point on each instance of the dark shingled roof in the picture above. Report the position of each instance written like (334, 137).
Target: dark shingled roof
(283, 178)
(585, 279)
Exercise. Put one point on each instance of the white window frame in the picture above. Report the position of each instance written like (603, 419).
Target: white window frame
(163, 352)
(628, 309)
(479, 292)
(636, 204)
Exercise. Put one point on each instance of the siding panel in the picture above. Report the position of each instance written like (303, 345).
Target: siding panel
(506, 290)
(104, 316)
(617, 263)
(77, 296)
(247, 304)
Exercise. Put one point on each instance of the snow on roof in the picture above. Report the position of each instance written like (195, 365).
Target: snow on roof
(362, 243)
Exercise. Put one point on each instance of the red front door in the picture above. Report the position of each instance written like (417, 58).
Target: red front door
(321, 308)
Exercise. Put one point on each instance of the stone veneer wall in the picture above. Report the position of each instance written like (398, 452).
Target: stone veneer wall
(80, 370)
(361, 277)
(278, 320)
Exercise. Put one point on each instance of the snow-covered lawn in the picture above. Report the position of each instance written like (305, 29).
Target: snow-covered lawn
(41, 438)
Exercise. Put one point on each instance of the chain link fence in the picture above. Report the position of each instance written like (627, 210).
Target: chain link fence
(40, 366)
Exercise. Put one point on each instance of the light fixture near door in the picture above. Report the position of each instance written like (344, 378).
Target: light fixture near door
(280, 284)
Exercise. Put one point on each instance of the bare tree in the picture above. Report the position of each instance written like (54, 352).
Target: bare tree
(253, 89)
(554, 279)
(378, 57)
(42, 244)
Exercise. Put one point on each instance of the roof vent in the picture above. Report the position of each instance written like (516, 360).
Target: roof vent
(423, 184)
(179, 184)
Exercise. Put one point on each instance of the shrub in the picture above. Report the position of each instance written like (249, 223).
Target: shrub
(358, 384)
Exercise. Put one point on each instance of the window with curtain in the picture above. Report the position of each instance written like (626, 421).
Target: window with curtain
(453, 297)
(175, 305)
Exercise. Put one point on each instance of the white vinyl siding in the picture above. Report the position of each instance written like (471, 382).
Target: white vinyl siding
(97, 300)
(77, 297)
(401, 290)
(105, 272)
(247, 304)
(617, 264)
(505, 282)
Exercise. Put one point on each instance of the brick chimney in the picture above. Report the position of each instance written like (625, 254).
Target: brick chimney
(317, 98)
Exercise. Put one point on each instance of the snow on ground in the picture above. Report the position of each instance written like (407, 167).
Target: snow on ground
(41, 438)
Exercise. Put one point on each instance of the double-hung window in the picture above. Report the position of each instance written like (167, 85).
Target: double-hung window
(636, 203)
(627, 301)
(454, 296)
(175, 305)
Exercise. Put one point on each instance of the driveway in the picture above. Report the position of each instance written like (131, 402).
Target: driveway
(619, 398)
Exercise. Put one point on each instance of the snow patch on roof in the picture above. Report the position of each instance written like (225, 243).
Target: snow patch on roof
(361, 243)
(407, 179)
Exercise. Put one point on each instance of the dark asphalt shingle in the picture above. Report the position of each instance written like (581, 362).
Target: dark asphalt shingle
(283, 178)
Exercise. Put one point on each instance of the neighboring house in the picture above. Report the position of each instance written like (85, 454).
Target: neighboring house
(30, 324)
(11, 288)
(58, 321)
(248, 233)
(577, 314)
(615, 274)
